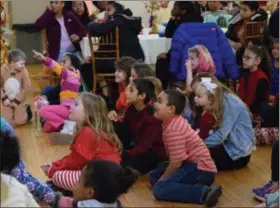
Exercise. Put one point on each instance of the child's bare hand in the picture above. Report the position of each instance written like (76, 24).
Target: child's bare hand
(113, 116)
(7, 102)
(74, 38)
(13, 105)
(188, 65)
(46, 168)
(39, 56)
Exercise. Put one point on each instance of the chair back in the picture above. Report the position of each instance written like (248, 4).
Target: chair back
(106, 47)
(253, 30)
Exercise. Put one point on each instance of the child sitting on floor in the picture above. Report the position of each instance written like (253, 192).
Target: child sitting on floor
(15, 83)
(191, 171)
(13, 193)
(208, 96)
(122, 74)
(68, 69)
(38, 189)
(100, 184)
(95, 139)
(140, 132)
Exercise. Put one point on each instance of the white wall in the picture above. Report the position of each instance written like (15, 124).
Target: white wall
(27, 11)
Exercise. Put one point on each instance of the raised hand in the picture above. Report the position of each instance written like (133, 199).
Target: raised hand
(39, 56)
(188, 65)
(113, 116)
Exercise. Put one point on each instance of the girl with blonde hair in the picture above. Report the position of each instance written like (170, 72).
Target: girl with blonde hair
(95, 139)
(200, 60)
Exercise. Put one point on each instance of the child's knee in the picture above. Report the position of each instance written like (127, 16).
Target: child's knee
(159, 190)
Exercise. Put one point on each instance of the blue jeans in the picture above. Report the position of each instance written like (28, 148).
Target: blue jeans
(188, 184)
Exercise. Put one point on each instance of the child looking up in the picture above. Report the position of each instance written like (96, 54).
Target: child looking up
(100, 185)
(122, 74)
(141, 70)
(191, 171)
(208, 96)
(140, 132)
(14, 84)
(254, 86)
(68, 69)
(95, 139)
(13, 193)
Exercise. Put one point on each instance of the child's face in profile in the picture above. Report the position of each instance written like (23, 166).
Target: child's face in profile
(131, 94)
(162, 110)
(250, 60)
(133, 75)
(275, 50)
(77, 111)
(194, 60)
(120, 76)
(81, 192)
(201, 98)
(18, 65)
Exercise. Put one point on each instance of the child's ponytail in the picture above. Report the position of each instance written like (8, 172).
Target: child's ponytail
(126, 179)
(263, 54)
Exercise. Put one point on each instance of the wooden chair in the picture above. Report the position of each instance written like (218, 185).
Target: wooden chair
(253, 30)
(110, 40)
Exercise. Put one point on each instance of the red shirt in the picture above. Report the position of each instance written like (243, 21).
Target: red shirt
(121, 104)
(146, 129)
(206, 123)
(85, 148)
(183, 144)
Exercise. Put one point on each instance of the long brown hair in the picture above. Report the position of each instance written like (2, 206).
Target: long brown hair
(96, 117)
(216, 99)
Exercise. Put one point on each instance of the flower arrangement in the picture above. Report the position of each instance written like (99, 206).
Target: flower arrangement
(152, 6)
(3, 35)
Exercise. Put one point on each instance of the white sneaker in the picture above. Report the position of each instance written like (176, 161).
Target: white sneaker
(68, 127)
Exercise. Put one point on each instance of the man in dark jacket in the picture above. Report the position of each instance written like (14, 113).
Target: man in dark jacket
(129, 28)
(63, 29)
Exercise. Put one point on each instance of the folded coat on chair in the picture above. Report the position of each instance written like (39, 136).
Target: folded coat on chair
(213, 38)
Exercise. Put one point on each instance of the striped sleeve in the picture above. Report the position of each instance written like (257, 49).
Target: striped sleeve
(175, 143)
(54, 66)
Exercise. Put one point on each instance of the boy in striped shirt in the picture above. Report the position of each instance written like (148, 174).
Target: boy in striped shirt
(191, 170)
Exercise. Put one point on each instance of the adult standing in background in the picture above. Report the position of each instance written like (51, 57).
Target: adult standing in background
(63, 30)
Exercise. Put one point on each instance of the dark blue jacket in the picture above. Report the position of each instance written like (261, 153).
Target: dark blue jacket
(213, 38)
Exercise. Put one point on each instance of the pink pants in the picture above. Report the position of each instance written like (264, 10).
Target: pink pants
(55, 115)
(66, 179)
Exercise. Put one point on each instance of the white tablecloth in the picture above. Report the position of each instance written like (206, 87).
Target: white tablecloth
(152, 46)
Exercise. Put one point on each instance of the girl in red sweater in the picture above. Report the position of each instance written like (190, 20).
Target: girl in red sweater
(95, 139)
(208, 96)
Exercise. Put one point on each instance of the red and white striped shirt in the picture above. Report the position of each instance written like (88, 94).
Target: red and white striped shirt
(182, 143)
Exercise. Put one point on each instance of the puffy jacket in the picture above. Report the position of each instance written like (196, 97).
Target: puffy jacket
(213, 38)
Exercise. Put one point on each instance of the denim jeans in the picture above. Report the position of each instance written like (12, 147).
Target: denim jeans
(188, 184)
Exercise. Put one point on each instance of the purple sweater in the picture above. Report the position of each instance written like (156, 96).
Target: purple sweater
(53, 31)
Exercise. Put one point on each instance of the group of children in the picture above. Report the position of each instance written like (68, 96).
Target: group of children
(148, 127)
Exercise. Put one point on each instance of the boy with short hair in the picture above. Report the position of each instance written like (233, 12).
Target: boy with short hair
(191, 170)
(140, 132)
(15, 83)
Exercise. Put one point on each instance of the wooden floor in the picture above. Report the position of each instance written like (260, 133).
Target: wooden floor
(237, 185)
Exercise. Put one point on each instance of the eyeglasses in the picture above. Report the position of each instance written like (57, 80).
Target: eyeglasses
(248, 57)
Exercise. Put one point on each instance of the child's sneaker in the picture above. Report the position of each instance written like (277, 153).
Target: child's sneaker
(68, 127)
(266, 186)
(261, 194)
(213, 195)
